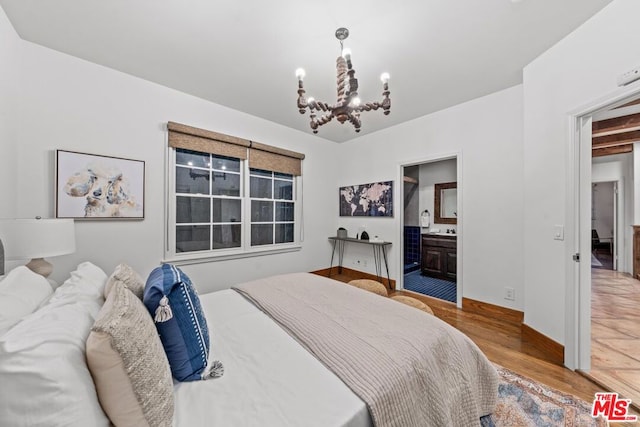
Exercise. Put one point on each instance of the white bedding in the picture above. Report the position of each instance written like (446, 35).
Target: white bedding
(269, 379)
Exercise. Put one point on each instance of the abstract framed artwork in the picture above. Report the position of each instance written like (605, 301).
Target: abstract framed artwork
(374, 199)
(91, 186)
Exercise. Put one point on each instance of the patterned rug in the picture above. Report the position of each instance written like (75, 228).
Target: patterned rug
(430, 286)
(523, 402)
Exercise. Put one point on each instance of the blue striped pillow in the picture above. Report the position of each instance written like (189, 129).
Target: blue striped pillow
(173, 302)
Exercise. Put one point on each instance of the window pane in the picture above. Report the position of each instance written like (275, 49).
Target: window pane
(284, 233)
(191, 238)
(261, 172)
(226, 184)
(226, 236)
(226, 163)
(284, 211)
(227, 210)
(261, 211)
(192, 158)
(283, 190)
(283, 175)
(261, 234)
(261, 188)
(192, 181)
(193, 209)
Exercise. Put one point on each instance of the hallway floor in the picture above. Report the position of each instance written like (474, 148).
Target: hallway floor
(615, 332)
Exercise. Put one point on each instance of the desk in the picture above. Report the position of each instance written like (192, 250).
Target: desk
(379, 254)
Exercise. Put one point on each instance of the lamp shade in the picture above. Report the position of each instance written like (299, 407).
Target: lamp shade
(37, 237)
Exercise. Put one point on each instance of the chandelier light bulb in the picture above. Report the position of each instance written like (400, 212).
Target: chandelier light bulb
(355, 102)
(384, 77)
(346, 53)
(300, 73)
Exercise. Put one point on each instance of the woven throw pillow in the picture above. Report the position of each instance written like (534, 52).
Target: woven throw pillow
(131, 279)
(128, 364)
(175, 306)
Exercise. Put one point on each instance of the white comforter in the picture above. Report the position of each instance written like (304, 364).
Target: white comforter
(269, 380)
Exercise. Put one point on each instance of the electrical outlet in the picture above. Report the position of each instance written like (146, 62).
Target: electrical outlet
(629, 76)
(510, 294)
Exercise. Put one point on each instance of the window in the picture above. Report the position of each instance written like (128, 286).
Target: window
(228, 201)
(272, 207)
(208, 202)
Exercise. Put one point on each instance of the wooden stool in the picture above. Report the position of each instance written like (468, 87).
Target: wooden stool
(371, 286)
(413, 302)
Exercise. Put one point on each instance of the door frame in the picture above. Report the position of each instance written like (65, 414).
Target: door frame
(578, 219)
(459, 226)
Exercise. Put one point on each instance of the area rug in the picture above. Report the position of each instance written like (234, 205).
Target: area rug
(523, 402)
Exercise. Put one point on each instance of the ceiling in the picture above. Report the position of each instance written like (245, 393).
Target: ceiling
(243, 54)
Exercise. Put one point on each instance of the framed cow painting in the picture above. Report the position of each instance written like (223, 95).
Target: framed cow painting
(91, 186)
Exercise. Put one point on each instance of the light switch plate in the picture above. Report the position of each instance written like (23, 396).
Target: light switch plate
(558, 232)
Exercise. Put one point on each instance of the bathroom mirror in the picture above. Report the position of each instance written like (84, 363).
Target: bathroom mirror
(446, 203)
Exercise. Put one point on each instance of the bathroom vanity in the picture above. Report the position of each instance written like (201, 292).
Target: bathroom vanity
(439, 256)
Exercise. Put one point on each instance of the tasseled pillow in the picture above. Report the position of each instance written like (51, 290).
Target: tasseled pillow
(173, 302)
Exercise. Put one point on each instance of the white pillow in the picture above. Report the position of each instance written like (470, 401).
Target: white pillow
(21, 292)
(86, 283)
(43, 372)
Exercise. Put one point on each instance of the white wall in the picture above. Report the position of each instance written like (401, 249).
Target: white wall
(602, 215)
(578, 70)
(619, 168)
(487, 135)
(411, 200)
(66, 103)
(431, 174)
(8, 78)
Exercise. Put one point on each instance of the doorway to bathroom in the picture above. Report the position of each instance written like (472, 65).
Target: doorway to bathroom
(430, 228)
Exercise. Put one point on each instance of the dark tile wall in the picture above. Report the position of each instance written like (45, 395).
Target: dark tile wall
(411, 244)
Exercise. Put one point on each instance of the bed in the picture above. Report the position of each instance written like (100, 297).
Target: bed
(297, 349)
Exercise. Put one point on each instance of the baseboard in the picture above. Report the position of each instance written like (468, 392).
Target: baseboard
(552, 350)
(493, 311)
(355, 274)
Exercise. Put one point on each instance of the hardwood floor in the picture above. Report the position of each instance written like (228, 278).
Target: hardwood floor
(615, 332)
(502, 342)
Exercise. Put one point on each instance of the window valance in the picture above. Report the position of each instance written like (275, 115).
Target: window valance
(261, 156)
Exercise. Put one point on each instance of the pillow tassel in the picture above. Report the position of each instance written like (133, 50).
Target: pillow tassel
(216, 370)
(163, 312)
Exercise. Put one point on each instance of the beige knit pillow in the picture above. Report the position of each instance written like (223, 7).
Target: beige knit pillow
(132, 280)
(128, 364)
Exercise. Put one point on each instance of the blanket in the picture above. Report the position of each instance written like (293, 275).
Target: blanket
(410, 368)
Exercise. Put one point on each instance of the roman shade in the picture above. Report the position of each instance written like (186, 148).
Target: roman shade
(261, 156)
(206, 141)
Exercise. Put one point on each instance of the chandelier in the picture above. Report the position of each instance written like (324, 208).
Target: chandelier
(348, 106)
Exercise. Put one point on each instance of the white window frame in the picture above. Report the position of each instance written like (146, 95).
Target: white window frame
(245, 250)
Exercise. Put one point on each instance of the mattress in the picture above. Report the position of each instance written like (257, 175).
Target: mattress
(269, 379)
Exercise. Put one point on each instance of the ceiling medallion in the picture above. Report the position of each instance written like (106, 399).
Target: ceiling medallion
(348, 106)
